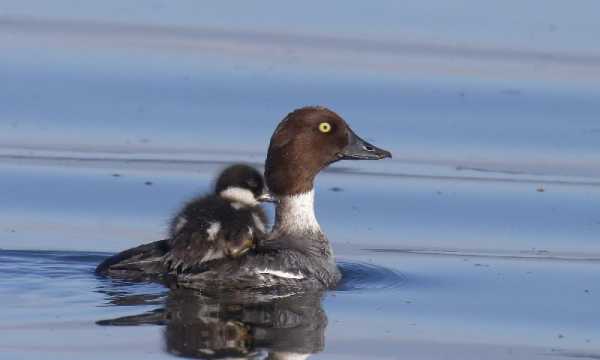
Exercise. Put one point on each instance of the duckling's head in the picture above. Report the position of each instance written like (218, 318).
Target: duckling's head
(305, 142)
(242, 184)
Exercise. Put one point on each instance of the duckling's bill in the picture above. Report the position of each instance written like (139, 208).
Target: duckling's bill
(267, 197)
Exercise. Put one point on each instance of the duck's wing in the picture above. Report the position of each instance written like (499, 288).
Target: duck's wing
(136, 262)
(286, 270)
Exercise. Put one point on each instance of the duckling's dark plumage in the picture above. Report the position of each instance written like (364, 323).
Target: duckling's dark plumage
(213, 227)
(226, 223)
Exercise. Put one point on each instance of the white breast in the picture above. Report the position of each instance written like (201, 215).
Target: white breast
(296, 214)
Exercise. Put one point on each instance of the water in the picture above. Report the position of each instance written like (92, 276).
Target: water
(427, 282)
(420, 305)
(478, 240)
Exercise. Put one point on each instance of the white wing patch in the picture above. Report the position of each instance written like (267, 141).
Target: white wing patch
(181, 221)
(212, 230)
(292, 356)
(281, 274)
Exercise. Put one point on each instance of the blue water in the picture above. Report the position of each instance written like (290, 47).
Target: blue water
(479, 239)
(422, 305)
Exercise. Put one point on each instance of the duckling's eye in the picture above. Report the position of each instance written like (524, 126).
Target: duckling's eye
(325, 127)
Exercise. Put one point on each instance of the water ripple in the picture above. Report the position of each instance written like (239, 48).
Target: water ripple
(360, 276)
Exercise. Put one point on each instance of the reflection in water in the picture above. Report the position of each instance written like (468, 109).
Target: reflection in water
(236, 325)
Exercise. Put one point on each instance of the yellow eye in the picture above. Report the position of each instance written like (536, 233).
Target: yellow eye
(324, 127)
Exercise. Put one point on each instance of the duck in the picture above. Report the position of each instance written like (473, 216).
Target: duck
(223, 224)
(295, 256)
(227, 223)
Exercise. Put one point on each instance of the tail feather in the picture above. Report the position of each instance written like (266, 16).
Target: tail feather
(146, 259)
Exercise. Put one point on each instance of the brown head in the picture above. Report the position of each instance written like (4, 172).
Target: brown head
(305, 142)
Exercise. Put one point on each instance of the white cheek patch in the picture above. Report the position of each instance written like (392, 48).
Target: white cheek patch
(239, 195)
(212, 230)
(181, 221)
(281, 274)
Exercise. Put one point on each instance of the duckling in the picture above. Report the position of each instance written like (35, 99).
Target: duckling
(227, 223)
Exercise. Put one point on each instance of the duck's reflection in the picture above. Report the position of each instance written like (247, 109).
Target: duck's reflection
(236, 325)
